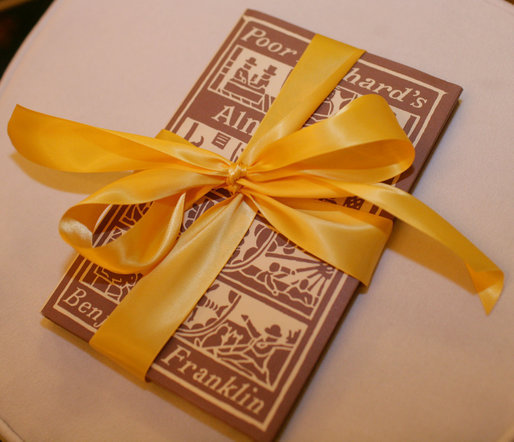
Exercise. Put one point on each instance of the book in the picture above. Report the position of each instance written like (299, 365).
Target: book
(248, 347)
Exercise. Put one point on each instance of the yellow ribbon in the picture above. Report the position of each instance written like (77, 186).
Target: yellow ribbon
(282, 174)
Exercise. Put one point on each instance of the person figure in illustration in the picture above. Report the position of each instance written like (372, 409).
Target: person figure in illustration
(260, 355)
(265, 353)
(242, 74)
(262, 82)
(270, 277)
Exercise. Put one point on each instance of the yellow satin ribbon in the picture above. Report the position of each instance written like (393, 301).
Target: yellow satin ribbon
(282, 174)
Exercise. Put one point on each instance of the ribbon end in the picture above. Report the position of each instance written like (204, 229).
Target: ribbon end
(489, 286)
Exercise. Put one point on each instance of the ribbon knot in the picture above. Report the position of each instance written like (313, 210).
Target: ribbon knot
(235, 172)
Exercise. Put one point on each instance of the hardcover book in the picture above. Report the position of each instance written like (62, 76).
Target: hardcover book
(246, 350)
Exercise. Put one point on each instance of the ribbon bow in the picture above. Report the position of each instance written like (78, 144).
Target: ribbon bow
(282, 173)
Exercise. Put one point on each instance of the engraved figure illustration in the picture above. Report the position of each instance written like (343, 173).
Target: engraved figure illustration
(111, 285)
(250, 87)
(259, 353)
(250, 78)
(296, 275)
(267, 263)
(221, 326)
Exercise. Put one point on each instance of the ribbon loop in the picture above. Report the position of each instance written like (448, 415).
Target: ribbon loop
(362, 142)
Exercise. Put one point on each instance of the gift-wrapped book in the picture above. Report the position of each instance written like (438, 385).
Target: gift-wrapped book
(247, 348)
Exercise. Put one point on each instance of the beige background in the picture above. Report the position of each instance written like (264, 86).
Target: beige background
(414, 359)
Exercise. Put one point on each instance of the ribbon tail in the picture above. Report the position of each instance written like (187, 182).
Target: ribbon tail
(74, 147)
(148, 316)
(486, 276)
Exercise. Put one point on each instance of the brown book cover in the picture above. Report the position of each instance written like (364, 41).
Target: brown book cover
(248, 347)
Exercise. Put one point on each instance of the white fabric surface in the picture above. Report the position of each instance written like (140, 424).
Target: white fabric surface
(414, 359)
